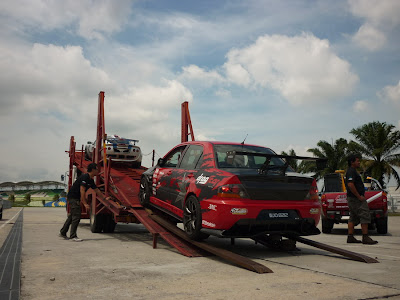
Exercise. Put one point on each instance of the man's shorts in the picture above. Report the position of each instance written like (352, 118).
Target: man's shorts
(359, 211)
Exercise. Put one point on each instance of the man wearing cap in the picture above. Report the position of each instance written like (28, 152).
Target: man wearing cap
(358, 206)
(75, 196)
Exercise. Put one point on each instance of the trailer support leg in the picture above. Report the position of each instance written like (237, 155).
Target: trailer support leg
(155, 238)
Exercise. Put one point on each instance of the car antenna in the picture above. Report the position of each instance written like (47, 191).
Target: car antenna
(244, 139)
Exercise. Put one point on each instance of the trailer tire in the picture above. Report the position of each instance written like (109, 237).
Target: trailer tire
(109, 224)
(192, 219)
(136, 165)
(327, 225)
(96, 222)
(382, 225)
(144, 192)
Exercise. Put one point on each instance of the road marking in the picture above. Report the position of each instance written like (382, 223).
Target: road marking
(11, 219)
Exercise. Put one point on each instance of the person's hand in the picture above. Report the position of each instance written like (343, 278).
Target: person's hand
(108, 198)
(362, 198)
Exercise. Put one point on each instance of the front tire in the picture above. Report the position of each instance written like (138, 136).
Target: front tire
(192, 218)
(327, 225)
(144, 192)
(382, 225)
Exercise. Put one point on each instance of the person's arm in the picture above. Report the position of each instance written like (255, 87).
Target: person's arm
(101, 196)
(353, 189)
(83, 197)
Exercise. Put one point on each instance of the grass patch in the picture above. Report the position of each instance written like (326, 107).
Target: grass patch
(394, 214)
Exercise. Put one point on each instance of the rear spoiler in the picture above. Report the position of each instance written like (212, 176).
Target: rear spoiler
(321, 162)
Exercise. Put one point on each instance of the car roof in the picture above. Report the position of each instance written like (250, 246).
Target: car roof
(223, 143)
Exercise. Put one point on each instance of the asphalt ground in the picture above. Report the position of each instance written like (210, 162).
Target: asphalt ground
(123, 265)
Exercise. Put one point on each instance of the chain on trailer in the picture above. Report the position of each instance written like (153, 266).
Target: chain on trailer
(123, 184)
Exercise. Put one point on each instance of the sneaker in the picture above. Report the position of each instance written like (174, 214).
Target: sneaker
(76, 239)
(63, 236)
(368, 241)
(352, 240)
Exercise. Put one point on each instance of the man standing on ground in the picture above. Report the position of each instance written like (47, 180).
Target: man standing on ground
(358, 206)
(76, 194)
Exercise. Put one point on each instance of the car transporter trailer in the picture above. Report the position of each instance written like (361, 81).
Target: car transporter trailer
(122, 184)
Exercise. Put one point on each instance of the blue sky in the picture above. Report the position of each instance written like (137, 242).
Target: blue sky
(285, 73)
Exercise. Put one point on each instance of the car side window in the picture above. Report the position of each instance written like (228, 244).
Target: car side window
(191, 158)
(171, 161)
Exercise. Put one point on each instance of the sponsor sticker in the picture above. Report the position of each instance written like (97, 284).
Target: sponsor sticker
(212, 207)
(314, 211)
(206, 223)
(202, 179)
(239, 211)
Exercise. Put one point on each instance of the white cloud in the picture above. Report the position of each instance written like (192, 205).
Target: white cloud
(377, 11)
(304, 69)
(360, 106)
(380, 17)
(46, 77)
(196, 74)
(223, 93)
(369, 37)
(391, 93)
(90, 19)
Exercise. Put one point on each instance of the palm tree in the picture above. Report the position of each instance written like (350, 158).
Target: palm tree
(335, 153)
(292, 162)
(378, 142)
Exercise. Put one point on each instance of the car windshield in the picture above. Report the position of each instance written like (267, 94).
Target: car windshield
(225, 159)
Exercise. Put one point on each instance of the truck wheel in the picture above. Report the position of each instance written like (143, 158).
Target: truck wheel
(327, 225)
(96, 222)
(192, 219)
(109, 224)
(382, 225)
(136, 165)
(144, 192)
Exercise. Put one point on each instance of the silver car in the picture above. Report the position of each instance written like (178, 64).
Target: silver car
(118, 149)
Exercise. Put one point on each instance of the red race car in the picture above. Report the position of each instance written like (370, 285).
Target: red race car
(232, 190)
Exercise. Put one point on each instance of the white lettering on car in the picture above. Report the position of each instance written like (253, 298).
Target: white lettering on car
(239, 211)
(206, 223)
(212, 207)
(202, 179)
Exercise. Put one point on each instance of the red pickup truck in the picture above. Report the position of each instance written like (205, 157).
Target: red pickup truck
(334, 203)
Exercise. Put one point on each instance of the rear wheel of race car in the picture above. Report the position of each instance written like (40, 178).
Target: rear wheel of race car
(192, 219)
(144, 192)
(327, 225)
(382, 225)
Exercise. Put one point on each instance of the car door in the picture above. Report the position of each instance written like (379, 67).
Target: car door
(163, 177)
(185, 173)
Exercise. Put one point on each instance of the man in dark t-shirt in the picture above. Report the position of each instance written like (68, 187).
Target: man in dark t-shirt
(358, 206)
(76, 194)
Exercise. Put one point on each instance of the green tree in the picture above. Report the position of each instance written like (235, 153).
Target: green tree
(335, 153)
(28, 197)
(56, 197)
(11, 198)
(379, 143)
(294, 163)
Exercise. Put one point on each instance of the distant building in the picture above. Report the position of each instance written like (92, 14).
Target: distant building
(30, 186)
(393, 199)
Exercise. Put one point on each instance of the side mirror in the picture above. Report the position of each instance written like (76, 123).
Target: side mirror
(160, 162)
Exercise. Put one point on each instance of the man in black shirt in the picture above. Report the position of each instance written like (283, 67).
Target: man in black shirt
(358, 206)
(76, 194)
